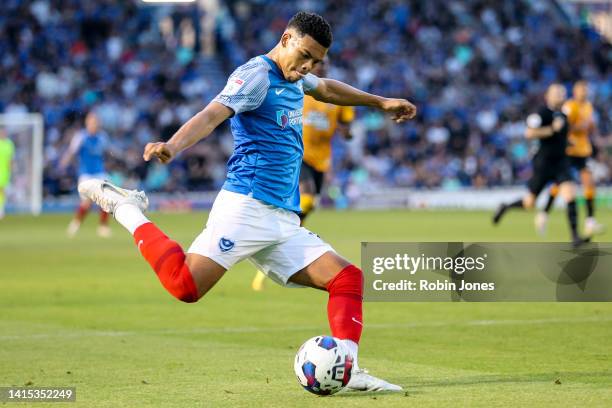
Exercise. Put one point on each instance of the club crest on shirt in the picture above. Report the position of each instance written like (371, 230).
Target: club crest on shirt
(225, 244)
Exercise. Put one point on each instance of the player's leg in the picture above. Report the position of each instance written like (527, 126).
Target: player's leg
(344, 282)
(104, 230)
(591, 226)
(541, 217)
(567, 190)
(525, 203)
(79, 216)
(186, 277)
(535, 185)
(552, 195)
(308, 192)
(303, 258)
(5, 177)
(259, 281)
(2, 202)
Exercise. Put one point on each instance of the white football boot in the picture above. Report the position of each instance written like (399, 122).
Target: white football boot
(592, 227)
(108, 196)
(362, 381)
(540, 221)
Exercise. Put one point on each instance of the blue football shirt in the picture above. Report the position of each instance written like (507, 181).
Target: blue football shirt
(90, 149)
(267, 130)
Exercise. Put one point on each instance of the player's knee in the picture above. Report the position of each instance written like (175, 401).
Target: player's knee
(589, 192)
(528, 202)
(348, 282)
(568, 191)
(176, 277)
(183, 289)
(187, 297)
(554, 190)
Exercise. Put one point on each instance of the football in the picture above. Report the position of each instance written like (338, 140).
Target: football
(323, 365)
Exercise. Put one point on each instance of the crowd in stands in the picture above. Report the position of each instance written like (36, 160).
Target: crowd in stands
(474, 68)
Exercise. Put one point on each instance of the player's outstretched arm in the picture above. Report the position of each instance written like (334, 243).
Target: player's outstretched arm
(535, 131)
(339, 93)
(194, 130)
(75, 144)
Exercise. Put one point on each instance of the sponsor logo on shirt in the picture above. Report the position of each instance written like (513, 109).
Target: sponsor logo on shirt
(291, 118)
(233, 85)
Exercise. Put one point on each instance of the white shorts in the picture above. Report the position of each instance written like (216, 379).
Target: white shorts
(241, 227)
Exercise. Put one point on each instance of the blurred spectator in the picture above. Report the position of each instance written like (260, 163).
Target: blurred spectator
(474, 68)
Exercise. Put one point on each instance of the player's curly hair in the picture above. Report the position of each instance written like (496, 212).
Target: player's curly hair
(313, 25)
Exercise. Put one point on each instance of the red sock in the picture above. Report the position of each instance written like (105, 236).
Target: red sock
(103, 217)
(167, 259)
(344, 308)
(81, 212)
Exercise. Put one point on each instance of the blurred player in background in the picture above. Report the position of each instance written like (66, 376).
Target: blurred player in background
(255, 215)
(579, 112)
(7, 151)
(550, 164)
(88, 145)
(320, 122)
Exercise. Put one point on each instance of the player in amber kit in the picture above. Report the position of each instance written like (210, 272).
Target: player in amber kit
(579, 112)
(320, 122)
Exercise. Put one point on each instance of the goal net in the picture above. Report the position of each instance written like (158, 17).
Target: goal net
(24, 192)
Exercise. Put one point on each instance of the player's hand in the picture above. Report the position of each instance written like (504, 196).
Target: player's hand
(557, 124)
(400, 109)
(164, 152)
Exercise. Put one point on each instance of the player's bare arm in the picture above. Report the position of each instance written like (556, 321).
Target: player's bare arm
(68, 156)
(195, 129)
(339, 93)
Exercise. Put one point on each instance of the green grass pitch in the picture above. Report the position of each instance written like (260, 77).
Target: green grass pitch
(89, 313)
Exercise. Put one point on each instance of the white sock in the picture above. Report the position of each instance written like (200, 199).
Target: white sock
(354, 348)
(130, 217)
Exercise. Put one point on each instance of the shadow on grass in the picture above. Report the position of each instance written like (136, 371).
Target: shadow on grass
(413, 386)
(374, 394)
(570, 376)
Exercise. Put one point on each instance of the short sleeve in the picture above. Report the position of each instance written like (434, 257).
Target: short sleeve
(310, 82)
(246, 87)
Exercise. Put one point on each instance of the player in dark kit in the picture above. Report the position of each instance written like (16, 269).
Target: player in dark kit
(550, 164)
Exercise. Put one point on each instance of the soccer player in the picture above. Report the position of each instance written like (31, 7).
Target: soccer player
(550, 164)
(579, 113)
(255, 215)
(320, 121)
(89, 145)
(7, 151)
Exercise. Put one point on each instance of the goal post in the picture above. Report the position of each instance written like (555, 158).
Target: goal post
(25, 190)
